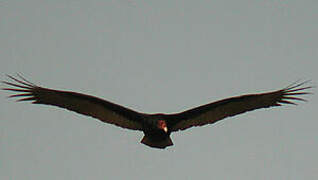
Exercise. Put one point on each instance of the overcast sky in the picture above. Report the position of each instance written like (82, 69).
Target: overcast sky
(159, 56)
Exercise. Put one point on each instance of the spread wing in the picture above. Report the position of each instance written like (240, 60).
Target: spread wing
(84, 104)
(213, 112)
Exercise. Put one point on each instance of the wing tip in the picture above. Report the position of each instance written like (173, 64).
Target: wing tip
(20, 86)
(291, 92)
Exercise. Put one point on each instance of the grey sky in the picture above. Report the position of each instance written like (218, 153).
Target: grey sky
(159, 56)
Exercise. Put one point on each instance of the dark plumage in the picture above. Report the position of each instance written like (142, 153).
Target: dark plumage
(156, 127)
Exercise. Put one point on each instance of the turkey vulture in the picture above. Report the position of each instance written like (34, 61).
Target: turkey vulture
(156, 127)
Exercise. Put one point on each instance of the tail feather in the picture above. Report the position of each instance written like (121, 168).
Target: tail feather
(157, 144)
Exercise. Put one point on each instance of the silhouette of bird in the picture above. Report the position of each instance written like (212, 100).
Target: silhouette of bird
(156, 127)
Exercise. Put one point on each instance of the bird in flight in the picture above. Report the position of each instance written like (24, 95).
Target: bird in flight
(156, 127)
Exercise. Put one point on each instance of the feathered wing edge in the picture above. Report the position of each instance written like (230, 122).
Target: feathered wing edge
(84, 104)
(216, 111)
(295, 89)
(23, 88)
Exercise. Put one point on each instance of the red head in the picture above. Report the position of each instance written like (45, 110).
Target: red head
(162, 125)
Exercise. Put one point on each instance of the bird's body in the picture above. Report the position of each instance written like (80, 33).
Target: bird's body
(156, 127)
(157, 132)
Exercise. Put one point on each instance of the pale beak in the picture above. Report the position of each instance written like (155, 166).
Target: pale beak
(165, 129)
